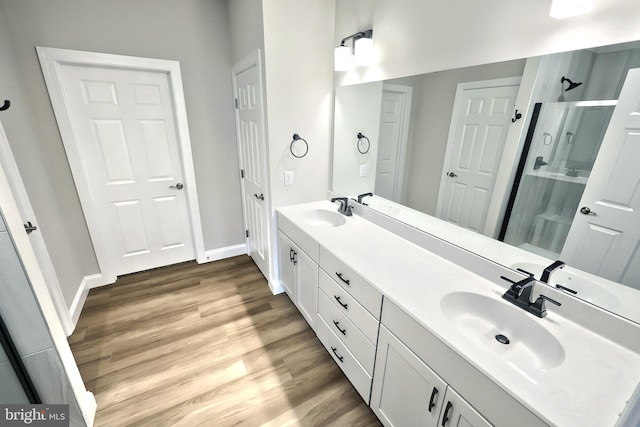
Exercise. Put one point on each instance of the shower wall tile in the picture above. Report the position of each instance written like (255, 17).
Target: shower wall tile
(48, 376)
(10, 388)
(18, 306)
(2, 226)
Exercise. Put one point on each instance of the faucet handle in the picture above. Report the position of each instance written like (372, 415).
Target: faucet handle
(542, 298)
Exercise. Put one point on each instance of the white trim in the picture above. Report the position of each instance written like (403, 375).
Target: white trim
(226, 252)
(51, 60)
(89, 409)
(88, 283)
(407, 96)
(37, 240)
(455, 118)
(275, 286)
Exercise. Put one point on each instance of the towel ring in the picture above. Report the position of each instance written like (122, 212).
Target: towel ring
(296, 137)
(5, 105)
(361, 137)
(547, 138)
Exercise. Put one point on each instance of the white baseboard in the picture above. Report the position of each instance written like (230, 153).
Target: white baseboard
(222, 253)
(276, 287)
(88, 282)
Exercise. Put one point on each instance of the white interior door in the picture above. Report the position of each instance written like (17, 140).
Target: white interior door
(480, 121)
(392, 143)
(247, 83)
(124, 125)
(604, 238)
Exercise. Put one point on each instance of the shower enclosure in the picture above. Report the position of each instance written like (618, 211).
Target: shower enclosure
(561, 146)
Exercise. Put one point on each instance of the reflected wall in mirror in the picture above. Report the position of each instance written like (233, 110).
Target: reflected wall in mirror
(439, 140)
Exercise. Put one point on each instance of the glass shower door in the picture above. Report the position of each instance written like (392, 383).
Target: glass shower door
(561, 147)
(15, 384)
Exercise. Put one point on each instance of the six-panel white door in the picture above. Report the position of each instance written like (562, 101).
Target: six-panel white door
(125, 128)
(394, 121)
(250, 130)
(479, 125)
(604, 238)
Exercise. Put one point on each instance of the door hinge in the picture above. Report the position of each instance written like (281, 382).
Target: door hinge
(235, 101)
(241, 173)
(246, 232)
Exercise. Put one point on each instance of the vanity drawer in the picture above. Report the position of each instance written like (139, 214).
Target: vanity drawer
(360, 379)
(345, 303)
(347, 332)
(362, 291)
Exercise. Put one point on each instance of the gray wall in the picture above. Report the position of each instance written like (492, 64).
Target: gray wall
(193, 32)
(245, 27)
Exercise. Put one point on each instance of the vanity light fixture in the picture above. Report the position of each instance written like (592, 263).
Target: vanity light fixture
(561, 9)
(361, 52)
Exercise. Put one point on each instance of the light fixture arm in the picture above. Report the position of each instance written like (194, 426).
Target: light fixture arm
(359, 35)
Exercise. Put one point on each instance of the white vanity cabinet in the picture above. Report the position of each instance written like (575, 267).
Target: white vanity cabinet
(406, 392)
(299, 277)
(348, 320)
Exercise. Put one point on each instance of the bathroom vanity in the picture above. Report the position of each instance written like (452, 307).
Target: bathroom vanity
(426, 339)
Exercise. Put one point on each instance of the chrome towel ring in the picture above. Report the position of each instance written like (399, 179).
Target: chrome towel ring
(297, 137)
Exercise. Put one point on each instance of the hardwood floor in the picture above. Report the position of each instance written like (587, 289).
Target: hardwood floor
(207, 345)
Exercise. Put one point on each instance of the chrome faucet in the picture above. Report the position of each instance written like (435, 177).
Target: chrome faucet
(546, 274)
(362, 196)
(521, 294)
(344, 208)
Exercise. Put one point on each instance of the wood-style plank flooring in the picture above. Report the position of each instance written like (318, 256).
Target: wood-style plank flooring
(207, 345)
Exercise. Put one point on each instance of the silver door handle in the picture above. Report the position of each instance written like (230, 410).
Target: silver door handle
(260, 197)
(178, 186)
(452, 175)
(29, 228)
(586, 211)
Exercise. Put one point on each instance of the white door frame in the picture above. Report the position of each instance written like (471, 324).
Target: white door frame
(254, 59)
(407, 96)
(51, 60)
(455, 118)
(12, 173)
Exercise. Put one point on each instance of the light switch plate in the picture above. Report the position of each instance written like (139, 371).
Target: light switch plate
(288, 177)
(363, 170)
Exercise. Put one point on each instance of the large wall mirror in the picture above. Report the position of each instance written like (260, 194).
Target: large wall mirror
(448, 153)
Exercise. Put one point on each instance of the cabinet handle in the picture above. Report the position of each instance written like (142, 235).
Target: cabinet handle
(445, 417)
(291, 254)
(340, 358)
(295, 257)
(342, 331)
(346, 281)
(345, 306)
(433, 396)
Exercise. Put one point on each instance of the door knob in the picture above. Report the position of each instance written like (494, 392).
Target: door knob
(586, 211)
(452, 175)
(178, 186)
(260, 197)
(28, 227)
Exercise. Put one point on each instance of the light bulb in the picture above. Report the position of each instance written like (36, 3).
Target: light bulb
(364, 51)
(342, 60)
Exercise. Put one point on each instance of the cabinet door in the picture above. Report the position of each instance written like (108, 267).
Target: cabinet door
(287, 268)
(405, 391)
(307, 286)
(456, 412)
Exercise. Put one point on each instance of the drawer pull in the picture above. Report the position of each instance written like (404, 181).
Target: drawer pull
(335, 351)
(342, 331)
(291, 254)
(433, 396)
(445, 417)
(344, 305)
(346, 281)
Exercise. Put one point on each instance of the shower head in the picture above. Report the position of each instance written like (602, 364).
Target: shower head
(572, 85)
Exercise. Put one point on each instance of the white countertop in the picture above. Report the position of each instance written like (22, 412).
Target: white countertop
(590, 387)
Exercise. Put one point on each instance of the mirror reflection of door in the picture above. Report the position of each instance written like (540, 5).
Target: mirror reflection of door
(392, 145)
(604, 238)
(482, 113)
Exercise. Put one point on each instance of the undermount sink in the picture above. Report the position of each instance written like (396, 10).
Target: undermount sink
(507, 331)
(586, 289)
(324, 218)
